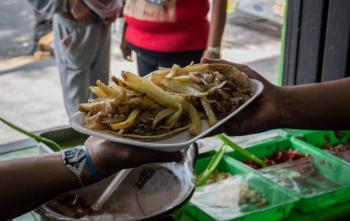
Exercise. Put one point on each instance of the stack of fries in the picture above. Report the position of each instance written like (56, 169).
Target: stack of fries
(167, 102)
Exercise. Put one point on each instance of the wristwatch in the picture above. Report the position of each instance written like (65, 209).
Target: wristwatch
(74, 159)
(215, 50)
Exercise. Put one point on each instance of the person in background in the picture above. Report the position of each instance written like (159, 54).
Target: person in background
(167, 32)
(82, 38)
(43, 26)
(32, 181)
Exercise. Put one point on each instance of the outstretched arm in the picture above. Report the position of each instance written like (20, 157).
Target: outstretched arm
(29, 182)
(311, 106)
(316, 106)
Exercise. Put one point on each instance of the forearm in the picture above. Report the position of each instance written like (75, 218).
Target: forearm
(217, 23)
(315, 106)
(29, 182)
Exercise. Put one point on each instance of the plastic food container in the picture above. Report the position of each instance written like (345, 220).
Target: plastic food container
(244, 196)
(66, 137)
(241, 197)
(327, 139)
(296, 132)
(226, 165)
(320, 181)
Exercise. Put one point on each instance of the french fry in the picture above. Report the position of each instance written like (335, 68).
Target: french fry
(162, 115)
(181, 89)
(185, 88)
(208, 111)
(215, 88)
(192, 62)
(130, 85)
(223, 94)
(118, 81)
(98, 92)
(143, 102)
(128, 93)
(196, 122)
(153, 91)
(156, 78)
(184, 79)
(119, 99)
(172, 120)
(173, 71)
(94, 107)
(162, 72)
(107, 90)
(128, 122)
(193, 68)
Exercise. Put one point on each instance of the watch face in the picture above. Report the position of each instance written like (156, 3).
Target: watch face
(71, 153)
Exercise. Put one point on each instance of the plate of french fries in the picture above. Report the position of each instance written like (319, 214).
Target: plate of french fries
(168, 109)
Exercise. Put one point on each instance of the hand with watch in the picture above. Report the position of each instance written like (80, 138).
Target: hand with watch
(212, 53)
(32, 181)
(98, 158)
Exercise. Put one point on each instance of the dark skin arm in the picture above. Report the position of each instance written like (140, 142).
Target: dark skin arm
(311, 106)
(29, 182)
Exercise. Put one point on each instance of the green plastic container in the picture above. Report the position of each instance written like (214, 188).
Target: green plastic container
(225, 165)
(322, 139)
(324, 181)
(296, 132)
(66, 137)
(280, 202)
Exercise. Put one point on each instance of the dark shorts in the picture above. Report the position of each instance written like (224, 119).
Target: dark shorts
(148, 60)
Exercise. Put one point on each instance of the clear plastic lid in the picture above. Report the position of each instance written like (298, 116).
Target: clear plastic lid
(309, 176)
(238, 196)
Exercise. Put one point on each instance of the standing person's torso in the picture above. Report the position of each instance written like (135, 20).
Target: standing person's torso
(167, 25)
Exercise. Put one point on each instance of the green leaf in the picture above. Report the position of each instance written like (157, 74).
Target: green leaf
(55, 146)
(240, 150)
(212, 165)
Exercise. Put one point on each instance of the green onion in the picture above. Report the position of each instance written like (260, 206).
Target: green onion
(55, 146)
(240, 150)
(214, 162)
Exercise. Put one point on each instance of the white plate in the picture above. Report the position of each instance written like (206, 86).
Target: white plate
(169, 144)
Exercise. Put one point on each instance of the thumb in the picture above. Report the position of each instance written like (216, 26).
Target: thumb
(139, 156)
(206, 60)
(231, 128)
